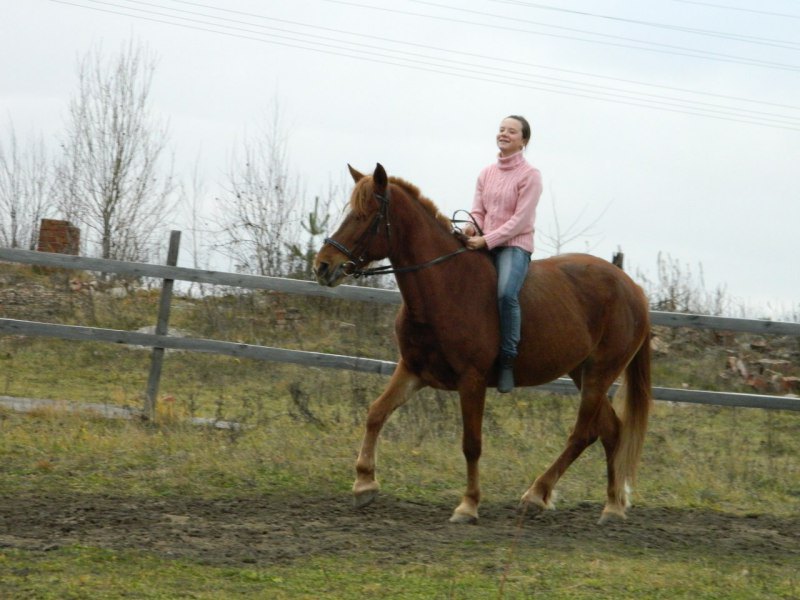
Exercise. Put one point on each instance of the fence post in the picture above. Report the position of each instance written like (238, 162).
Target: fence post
(162, 327)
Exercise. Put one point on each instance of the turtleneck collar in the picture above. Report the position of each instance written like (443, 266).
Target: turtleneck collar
(510, 162)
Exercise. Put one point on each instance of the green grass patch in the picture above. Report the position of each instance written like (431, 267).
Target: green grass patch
(738, 460)
(86, 572)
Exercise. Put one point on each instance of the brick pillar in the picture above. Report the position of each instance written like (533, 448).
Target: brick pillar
(58, 236)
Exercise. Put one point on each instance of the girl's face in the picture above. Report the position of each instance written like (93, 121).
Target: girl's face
(509, 137)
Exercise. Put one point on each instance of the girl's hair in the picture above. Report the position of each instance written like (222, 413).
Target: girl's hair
(526, 127)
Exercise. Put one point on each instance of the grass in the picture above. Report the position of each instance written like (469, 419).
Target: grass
(81, 572)
(711, 457)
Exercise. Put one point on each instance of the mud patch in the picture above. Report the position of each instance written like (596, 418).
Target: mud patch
(270, 530)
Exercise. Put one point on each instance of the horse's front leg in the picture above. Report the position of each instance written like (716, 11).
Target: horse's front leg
(401, 386)
(472, 392)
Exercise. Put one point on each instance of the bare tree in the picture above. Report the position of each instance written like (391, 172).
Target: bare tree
(678, 289)
(259, 214)
(559, 236)
(192, 199)
(109, 177)
(25, 189)
(193, 194)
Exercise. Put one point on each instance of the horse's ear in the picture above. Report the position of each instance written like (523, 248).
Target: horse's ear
(355, 174)
(380, 178)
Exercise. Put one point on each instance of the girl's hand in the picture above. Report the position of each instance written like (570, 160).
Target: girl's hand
(469, 230)
(476, 242)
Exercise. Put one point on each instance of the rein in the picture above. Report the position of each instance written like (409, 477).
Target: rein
(352, 267)
(471, 220)
(390, 270)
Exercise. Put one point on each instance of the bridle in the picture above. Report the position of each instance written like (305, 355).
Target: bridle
(356, 255)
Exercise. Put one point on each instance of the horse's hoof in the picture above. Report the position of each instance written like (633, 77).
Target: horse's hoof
(462, 519)
(612, 515)
(364, 498)
(466, 512)
(534, 502)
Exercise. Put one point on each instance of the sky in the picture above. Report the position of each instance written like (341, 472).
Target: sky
(661, 127)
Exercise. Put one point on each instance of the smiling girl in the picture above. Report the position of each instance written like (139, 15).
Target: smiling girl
(504, 209)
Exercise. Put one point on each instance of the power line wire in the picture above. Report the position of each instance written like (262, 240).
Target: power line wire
(751, 39)
(457, 71)
(749, 10)
(648, 47)
(494, 70)
(725, 113)
(505, 60)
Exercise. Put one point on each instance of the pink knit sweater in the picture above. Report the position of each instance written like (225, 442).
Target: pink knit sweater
(505, 202)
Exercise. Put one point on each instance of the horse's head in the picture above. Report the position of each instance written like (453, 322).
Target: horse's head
(363, 236)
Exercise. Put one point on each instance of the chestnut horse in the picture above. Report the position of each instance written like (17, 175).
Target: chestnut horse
(582, 316)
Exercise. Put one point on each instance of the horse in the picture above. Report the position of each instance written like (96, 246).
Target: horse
(582, 316)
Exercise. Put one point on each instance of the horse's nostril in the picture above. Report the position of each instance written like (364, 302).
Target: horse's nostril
(321, 269)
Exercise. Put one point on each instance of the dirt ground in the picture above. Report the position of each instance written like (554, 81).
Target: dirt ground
(273, 531)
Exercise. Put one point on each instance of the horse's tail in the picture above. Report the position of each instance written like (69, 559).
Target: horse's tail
(637, 400)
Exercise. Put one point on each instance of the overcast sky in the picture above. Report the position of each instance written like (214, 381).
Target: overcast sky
(674, 123)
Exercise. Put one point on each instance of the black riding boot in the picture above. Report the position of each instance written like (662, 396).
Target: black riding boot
(505, 381)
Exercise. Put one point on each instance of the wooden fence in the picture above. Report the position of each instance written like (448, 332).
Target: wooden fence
(169, 273)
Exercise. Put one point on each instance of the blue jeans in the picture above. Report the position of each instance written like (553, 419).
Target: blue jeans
(512, 267)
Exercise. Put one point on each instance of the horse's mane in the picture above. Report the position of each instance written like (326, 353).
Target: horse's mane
(361, 199)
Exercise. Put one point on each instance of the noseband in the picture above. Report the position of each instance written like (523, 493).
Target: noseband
(356, 255)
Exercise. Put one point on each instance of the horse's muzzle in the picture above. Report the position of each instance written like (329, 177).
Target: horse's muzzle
(330, 276)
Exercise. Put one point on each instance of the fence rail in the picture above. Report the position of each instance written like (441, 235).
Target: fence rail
(316, 359)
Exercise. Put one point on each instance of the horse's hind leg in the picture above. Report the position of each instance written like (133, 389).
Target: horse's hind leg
(617, 491)
(596, 418)
(401, 386)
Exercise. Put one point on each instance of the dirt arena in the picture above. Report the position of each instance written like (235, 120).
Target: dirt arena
(273, 530)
